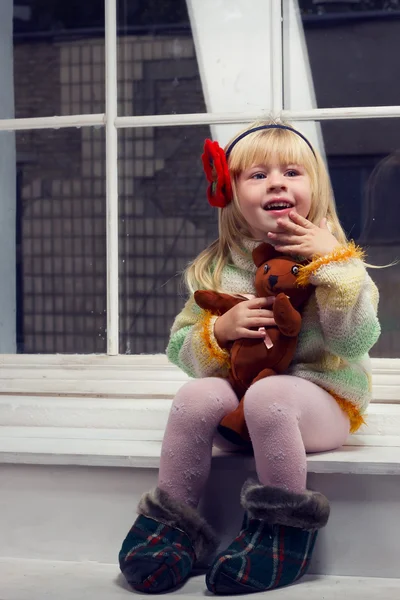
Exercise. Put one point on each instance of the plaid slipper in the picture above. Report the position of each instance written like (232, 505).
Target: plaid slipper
(260, 558)
(275, 546)
(163, 544)
(155, 557)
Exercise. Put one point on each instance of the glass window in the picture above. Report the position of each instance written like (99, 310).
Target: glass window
(58, 57)
(165, 221)
(349, 51)
(174, 58)
(364, 165)
(352, 149)
(60, 241)
(158, 71)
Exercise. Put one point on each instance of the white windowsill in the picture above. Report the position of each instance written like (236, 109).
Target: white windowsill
(108, 449)
(124, 376)
(104, 411)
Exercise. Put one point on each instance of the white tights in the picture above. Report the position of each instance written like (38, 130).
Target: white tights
(286, 417)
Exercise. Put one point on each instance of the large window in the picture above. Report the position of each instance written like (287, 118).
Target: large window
(103, 111)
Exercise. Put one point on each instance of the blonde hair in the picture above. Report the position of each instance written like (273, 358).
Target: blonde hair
(261, 147)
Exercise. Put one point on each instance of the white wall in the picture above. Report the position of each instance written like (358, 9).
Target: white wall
(7, 185)
(83, 514)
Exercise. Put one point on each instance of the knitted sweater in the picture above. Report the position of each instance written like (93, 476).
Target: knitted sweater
(339, 327)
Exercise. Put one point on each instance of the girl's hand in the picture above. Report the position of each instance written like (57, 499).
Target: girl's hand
(243, 321)
(302, 238)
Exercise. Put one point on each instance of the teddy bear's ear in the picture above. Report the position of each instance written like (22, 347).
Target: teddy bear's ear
(262, 253)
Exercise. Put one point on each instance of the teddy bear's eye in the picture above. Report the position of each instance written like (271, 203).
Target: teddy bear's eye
(295, 270)
(266, 269)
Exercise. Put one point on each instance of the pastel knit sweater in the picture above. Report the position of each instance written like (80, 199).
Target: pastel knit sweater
(339, 327)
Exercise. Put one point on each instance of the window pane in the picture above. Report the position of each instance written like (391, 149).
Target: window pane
(173, 57)
(341, 53)
(60, 239)
(364, 164)
(165, 221)
(58, 56)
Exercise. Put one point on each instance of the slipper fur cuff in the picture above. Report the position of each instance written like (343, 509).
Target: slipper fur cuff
(160, 506)
(306, 510)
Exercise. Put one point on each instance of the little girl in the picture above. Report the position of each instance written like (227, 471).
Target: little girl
(270, 185)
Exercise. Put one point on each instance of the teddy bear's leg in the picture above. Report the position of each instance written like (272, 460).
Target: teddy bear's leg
(233, 426)
(263, 374)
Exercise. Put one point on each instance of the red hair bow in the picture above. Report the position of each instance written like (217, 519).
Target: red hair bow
(219, 192)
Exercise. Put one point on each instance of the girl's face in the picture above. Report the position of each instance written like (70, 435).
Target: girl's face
(269, 192)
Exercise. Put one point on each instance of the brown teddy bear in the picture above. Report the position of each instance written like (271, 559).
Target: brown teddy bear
(254, 359)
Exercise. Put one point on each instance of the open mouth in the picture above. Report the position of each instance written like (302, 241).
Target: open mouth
(278, 206)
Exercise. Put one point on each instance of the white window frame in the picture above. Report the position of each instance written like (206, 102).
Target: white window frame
(51, 381)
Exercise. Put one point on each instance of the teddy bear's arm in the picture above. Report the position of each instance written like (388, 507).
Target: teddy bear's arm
(216, 302)
(287, 318)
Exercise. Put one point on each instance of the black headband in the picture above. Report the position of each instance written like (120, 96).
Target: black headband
(227, 153)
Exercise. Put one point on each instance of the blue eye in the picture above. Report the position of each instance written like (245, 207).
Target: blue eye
(292, 173)
(258, 176)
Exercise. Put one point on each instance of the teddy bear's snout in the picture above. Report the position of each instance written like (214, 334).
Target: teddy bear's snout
(272, 280)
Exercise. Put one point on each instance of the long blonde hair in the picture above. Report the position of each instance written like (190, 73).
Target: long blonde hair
(261, 147)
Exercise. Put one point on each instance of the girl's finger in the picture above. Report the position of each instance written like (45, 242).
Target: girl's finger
(296, 218)
(261, 302)
(290, 227)
(257, 315)
(259, 312)
(281, 238)
(261, 322)
(294, 250)
(251, 334)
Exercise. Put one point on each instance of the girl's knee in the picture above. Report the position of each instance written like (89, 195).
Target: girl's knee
(271, 390)
(207, 388)
(270, 401)
(204, 397)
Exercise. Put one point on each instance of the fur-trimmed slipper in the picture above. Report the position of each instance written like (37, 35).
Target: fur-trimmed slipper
(165, 541)
(275, 546)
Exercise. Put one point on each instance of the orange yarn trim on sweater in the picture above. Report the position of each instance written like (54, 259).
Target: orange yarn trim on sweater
(356, 420)
(342, 253)
(217, 353)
